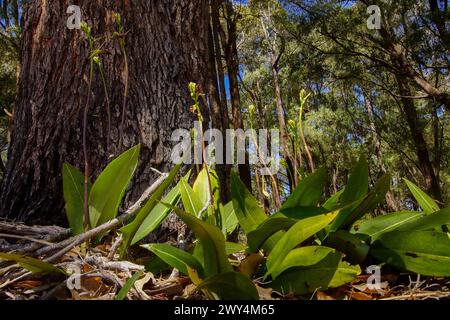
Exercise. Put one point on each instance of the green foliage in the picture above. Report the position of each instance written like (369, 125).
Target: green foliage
(191, 200)
(175, 257)
(108, 190)
(229, 219)
(73, 189)
(158, 213)
(128, 285)
(298, 233)
(266, 229)
(211, 240)
(31, 264)
(105, 195)
(308, 192)
(247, 209)
(328, 272)
(231, 286)
(309, 243)
(423, 252)
(129, 231)
(427, 204)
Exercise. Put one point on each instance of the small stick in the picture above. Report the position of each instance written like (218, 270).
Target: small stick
(68, 244)
(115, 246)
(4, 235)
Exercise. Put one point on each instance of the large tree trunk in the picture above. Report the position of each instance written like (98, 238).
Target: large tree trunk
(167, 46)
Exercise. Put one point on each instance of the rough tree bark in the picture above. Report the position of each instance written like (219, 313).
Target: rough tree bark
(167, 46)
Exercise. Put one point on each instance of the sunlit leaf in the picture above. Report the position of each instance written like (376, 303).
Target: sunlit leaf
(358, 182)
(264, 231)
(73, 189)
(347, 216)
(427, 204)
(175, 257)
(423, 252)
(375, 227)
(298, 233)
(229, 219)
(130, 229)
(31, 264)
(308, 191)
(157, 214)
(108, 190)
(128, 285)
(212, 242)
(191, 201)
(329, 272)
(248, 211)
(201, 186)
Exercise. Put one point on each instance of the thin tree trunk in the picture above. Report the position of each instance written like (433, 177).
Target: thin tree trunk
(219, 112)
(231, 57)
(390, 199)
(416, 129)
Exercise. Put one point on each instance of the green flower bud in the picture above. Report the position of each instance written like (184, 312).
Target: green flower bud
(85, 28)
(292, 124)
(251, 110)
(303, 96)
(118, 19)
(97, 60)
(193, 90)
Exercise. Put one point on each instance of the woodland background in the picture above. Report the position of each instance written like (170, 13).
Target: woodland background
(137, 70)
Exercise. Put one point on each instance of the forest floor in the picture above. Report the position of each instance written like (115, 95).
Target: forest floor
(98, 273)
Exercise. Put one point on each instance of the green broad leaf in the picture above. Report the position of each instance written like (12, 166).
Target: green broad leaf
(31, 264)
(303, 257)
(128, 285)
(349, 215)
(330, 272)
(233, 247)
(427, 204)
(129, 230)
(333, 202)
(355, 249)
(423, 252)
(212, 242)
(308, 191)
(299, 232)
(157, 214)
(191, 201)
(108, 190)
(428, 222)
(175, 257)
(201, 186)
(377, 226)
(229, 219)
(248, 211)
(73, 189)
(358, 182)
(303, 212)
(198, 252)
(231, 286)
(265, 230)
(156, 265)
